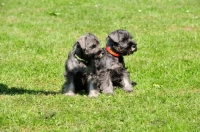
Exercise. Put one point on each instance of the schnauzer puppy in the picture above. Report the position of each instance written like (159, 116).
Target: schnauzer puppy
(111, 68)
(80, 70)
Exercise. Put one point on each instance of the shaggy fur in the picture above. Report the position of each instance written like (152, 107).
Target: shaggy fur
(80, 70)
(111, 68)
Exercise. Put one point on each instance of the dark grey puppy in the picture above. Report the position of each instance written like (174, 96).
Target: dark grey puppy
(111, 68)
(80, 70)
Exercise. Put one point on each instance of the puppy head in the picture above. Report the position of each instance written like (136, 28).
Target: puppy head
(121, 42)
(90, 46)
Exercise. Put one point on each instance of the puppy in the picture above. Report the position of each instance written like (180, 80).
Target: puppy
(111, 68)
(80, 70)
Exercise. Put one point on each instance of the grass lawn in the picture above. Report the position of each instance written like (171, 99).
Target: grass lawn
(37, 35)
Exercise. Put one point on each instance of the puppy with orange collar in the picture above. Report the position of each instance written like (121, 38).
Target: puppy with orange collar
(111, 68)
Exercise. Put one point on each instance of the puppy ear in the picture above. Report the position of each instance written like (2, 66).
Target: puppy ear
(114, 36)
(92, 36)
(81, 41)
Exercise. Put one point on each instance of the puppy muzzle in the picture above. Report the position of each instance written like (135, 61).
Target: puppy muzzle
(101, 54)
(133, 49)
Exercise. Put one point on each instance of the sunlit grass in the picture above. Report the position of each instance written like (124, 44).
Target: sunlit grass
(36, 36)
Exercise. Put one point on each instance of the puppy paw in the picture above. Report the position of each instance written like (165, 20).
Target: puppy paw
(69, 93)
(93, 93)
(108, 92)
(128, 90)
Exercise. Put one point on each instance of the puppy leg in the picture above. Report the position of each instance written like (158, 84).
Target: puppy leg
(126, 83)
(105, 81)
(69, 87)
(92, 86)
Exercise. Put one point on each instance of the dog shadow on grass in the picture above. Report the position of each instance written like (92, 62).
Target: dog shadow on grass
(5, 90)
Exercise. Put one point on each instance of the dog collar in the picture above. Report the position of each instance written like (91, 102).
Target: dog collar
(79, 59)
(112, 52)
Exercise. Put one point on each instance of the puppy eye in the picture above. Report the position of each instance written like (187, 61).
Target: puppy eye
(116, 44)
(93, 46)
(123, 40)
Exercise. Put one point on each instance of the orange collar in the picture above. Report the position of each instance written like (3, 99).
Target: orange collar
(112, 52)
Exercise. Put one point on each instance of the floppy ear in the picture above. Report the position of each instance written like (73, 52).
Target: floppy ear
(114, 36)
(81, 41)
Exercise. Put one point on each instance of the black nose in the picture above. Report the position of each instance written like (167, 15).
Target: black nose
(135, 46)
(131, 43)
(102, 52)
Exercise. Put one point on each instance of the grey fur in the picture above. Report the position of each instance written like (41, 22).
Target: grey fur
(111, 69)
(80, 70)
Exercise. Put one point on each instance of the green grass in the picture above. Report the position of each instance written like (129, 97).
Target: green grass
(36, 36)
